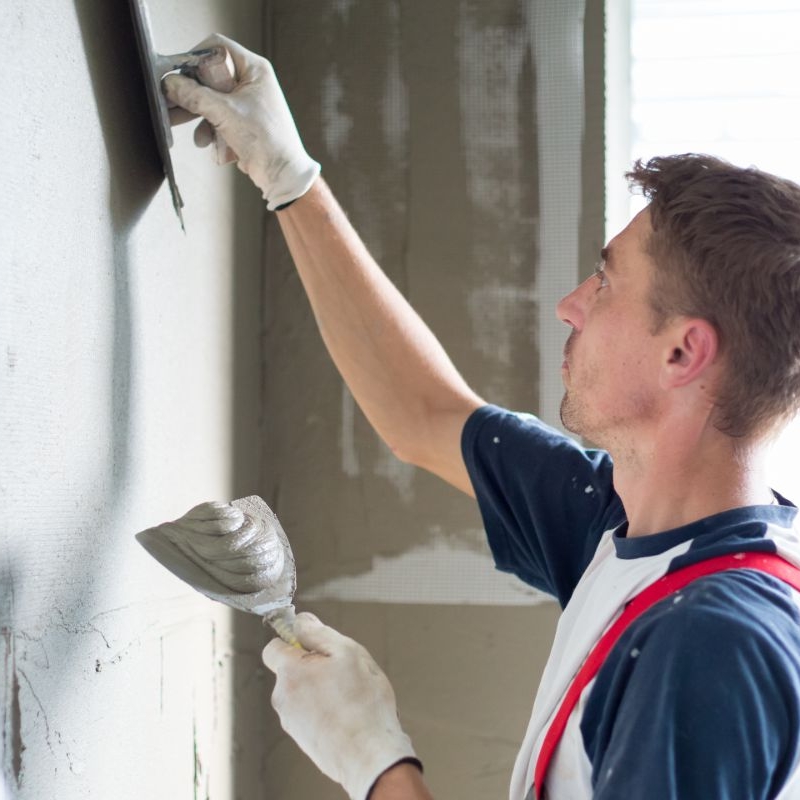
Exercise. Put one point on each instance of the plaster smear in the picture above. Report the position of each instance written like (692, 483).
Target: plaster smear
(347, 435)
(490, 62)
(398, 473)
(491, 309)
(343, 7)
(394, 106)
(445, 571)
(556, 33)
(336, 124)
(497, 92)
(387, 465)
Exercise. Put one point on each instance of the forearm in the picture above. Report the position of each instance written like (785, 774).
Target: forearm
(396, 369)
(401, 782)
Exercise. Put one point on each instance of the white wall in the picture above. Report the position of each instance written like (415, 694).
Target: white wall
(119, 382)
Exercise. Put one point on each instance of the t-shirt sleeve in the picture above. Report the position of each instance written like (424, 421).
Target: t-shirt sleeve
(545, 500)
(706, 704)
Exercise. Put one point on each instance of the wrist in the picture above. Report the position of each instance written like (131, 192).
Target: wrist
(310, 191)
(376, 754)
(402, 781)
(292, 181)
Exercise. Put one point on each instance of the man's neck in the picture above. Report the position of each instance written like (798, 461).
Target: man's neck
(682, 478)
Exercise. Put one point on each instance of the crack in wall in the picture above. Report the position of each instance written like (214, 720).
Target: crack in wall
(19, 694)
(47, 733)
(214, 687)
(196, 759)
(119, 655)
(17, 746)
(12, 713)
(52, 736)
(200, 793)
(161, 675)
(78, 628)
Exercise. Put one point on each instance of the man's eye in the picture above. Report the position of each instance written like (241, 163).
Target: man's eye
(600, 274)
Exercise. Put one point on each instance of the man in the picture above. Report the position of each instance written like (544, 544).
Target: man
(682, 363)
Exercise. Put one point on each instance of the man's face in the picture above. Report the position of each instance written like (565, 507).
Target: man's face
(612, 358)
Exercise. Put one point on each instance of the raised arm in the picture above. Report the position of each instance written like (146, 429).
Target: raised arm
(396, 369)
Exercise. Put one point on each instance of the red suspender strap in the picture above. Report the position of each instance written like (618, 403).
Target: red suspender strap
(660, 589)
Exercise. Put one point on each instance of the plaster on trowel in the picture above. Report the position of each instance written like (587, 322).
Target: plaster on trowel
(236, 553)
(211, 66)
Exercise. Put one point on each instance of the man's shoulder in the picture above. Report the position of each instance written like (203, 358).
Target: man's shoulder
(709, 679)
(532, 462)
(734, 626)
(735, 603)
(544, 499)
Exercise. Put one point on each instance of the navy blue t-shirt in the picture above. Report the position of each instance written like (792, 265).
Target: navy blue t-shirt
(699, 698)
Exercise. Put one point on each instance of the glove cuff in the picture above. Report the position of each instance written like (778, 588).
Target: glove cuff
(373, 764)
(293, 181)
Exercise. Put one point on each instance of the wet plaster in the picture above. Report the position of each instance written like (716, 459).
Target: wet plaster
(116, 402)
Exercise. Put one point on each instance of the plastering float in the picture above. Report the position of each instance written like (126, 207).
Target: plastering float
(211, 66)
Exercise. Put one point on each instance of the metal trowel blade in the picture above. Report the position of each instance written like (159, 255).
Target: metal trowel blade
(155, 99)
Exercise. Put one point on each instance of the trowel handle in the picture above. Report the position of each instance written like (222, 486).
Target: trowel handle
(282, 622)
(216, 70)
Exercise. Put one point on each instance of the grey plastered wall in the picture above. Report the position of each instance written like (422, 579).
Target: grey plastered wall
(125, 398)
(459, 136)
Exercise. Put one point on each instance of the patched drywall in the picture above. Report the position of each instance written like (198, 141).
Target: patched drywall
(119, 386)
(458, 136)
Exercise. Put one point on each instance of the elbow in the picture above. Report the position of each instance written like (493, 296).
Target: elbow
(405, 452)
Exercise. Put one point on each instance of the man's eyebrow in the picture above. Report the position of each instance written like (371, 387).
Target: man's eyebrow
(605, 256)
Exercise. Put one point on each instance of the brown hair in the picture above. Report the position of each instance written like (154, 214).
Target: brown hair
(726, 244)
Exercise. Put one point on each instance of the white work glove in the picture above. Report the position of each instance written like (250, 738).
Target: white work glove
(338, 706)
(253, 119)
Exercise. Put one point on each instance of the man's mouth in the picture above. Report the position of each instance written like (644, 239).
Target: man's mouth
(568, 350)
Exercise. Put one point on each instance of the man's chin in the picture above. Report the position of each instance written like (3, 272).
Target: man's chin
(574, 417)
(570, 418)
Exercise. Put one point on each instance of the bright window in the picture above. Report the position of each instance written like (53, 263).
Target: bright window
(720, 77)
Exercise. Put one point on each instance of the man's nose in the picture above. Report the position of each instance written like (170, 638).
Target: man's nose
(572, 308)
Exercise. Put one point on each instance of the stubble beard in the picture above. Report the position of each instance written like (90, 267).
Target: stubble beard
(578, 411)
(570, 416)
(611, 432)
(583, 421)
(572, 413)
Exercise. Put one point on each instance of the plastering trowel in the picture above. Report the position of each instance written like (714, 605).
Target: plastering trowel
(211, 66)
(235, 553)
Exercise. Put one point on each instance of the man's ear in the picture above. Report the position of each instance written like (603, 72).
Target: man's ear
(690, 351)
